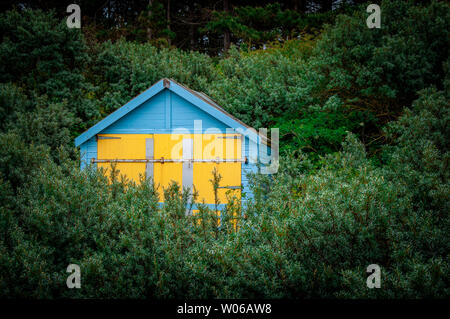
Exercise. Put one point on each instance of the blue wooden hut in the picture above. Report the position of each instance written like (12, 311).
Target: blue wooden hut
(172, 133)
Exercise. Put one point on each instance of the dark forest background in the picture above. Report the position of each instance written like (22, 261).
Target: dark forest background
(364, 167)
(205, 26)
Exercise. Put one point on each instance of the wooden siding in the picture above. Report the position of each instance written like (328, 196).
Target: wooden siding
(150, 116)
(184, 113)
(88, 151)
(160, 110)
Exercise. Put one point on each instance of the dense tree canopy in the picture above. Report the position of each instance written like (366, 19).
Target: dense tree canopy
(363, 178)
(206, 26)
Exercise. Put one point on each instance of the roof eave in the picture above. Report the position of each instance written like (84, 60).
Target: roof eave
(184, 92)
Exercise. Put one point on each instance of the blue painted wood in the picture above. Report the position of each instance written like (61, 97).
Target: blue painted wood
(151, 114)
(160, 110)
(168, 110)
(148, 94)
(247, 168)
(131, 105)
(88, 151)
(83, 156)
(163, 113)
(220, 115)
(185, 113)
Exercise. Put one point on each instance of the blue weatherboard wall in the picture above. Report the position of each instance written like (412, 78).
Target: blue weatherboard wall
(160, 109)
(155, 116)
(88, 151)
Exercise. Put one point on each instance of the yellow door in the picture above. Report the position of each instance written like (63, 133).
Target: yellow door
(218, 147)
(208, 151)
(167, 148)
(123, 147)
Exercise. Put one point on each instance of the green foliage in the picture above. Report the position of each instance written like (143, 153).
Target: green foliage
(40, 53)
(321, 130)
(420, 157)
(153, 20)
(309, 230)
(123, 70)
(44, 95)
(49, 124)
(265, 85)
(256, 26)
(13, 101)
(373, 72)
(390, 64)
(18, 159)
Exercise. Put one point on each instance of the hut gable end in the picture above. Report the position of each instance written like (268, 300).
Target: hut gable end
(137, 139)
(162, 113)
(165, 106)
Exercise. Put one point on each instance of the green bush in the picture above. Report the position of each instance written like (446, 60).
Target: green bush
(310, 230)
(307, 232)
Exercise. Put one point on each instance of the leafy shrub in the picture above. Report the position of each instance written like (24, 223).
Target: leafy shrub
(307, 232)
(310, 230)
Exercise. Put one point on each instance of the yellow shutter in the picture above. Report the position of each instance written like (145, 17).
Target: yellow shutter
(209, 148)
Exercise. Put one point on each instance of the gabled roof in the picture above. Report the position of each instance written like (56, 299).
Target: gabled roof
(198, 99)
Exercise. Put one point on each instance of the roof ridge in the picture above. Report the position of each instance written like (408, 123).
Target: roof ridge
(160, 85)
(214, 104)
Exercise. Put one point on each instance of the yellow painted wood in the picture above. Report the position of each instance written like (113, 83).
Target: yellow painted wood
(206, 146)
(129, 146)
(214, 145)
(223, 148)
(203, 174)
(169, 146)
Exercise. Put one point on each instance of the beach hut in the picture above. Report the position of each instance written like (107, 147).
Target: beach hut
(172, 133)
